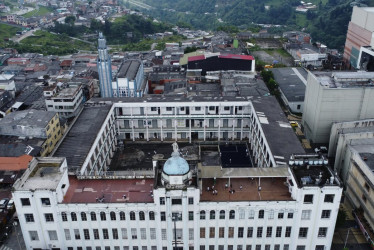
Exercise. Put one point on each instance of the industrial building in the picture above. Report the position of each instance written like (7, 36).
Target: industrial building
(129, 81)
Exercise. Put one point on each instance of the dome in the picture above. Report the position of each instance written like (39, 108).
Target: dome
(176, 165)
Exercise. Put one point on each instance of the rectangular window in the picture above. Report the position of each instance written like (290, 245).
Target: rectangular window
(231, 232)
(33, 235)
(267, 247)
(308, 198)
(278, 233)
(86, 234)
(320, 247)
(52, 235)
(202, 232)
(162, 200)
(288, 232)
(152, 233)
(305, 214)
(134, 234)
(115, 233)
(48, 217)
(251, 214)
(325, 214)
(212, 231)
(286, 247)
(169, 108)
(124, 233)
(329, 198)
(290, 215)
(259, 232)
(163, 216)
(271, 214)
(190, 234)
(269, 231)
(221, 232)
(197, 108)
(190, 215)
(250, 232)
(303, 232)
(96, 234)
(67, 234)
(300, 248)
(25, 202)
(45, 201)
(261, 214)
(241, 214)
(76, 234)
(163, 234)
(322, 232)
(240, 232)
(176, 202)
(143, 234)
(29, 217)
(190, 200)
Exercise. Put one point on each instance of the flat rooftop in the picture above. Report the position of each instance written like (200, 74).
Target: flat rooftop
(79, 140)
(272, 189)
(369, 160)
(129, 69)
(292, 82)
(279, 134)
(313, 175)
(109, 191)
(358, 79)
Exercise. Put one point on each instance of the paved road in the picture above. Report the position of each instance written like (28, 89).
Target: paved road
(15, 240)
(23, 11)
(27, 34)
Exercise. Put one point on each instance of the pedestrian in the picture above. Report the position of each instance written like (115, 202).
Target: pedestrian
(213, 187)
(241, 187)
(208, 189)
(213, 192)
(226, 185)
(216, 192)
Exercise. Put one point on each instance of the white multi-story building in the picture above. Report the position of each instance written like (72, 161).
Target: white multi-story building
(227, 194)
(129, 81)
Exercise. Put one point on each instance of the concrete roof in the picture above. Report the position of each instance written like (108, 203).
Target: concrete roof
(292, 82)
(129, 69)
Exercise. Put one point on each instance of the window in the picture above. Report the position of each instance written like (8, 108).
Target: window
(122, 215)
(105, 233)
(286, 247)
(45, 201)
(96, 234)
(134, 234)
(115, 233)
(232, 215)
(124, 233)
(48, 217)
(322, 232)
(288, 232)
(162, 200)
(278, 233)
(240, 232)
(212, 214)
(248, 247)
(86, 234)
(169, 108)
(197, 108)
(143, 234)
(241, 214)
(277, 247)
(29, 218)
(212, 232)
(190, 200)
(83, 216)
(308, 198)
(290, 215)
(329, 198)
(212, 108)
(33, 235)
(163, 216)
(141, 215)
(73, 216)
(261, 214)
(251, 214)
(267, 247)
(231, 232)
(52, 235)
(280, 215)
(320, 247)
(67, 234)
(112, 215)
(132, 215)
(269, 231)
(271, 214)
(102, 216)
(153, 109)
(25, 202)
(93, 216)
(259, 232)
(176, 202)
(226, 108)
(202, 232)
(258, 247)
(152, 233)
(300, 248)
(222, 214)
(76, 234)
(305, 214)
(202, 215)
(190, 215)
(250, 232)
(364, 198)
(163, 234)
(221, 232)
(366, 186)
(303, 232)
(326, 214)
(151, 215)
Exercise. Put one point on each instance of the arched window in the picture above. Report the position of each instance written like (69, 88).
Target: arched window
(83, 216)
(222, 214)
(141, 215)
(132, 215)
(102, 216)
(232, 215)
(122, 216)
(93, 216)
(151, 215)
(212, 214)
(202, 215)
(73, 216)
(251, 214)
(64, 216)
(261, 214)
(112, 215)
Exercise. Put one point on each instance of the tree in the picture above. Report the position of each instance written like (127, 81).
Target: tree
(70, 20)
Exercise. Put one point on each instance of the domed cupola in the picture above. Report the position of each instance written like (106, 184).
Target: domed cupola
(176, 170)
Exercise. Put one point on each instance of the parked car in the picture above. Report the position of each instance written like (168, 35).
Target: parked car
(4, 202)
(10, 205)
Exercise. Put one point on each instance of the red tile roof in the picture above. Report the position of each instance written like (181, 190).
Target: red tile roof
(14, 163)
(233, 56)
(196, 58)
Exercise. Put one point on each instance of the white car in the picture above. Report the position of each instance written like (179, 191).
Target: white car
(10, 204)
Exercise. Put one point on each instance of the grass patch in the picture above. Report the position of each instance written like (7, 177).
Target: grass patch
(7, 31)
(147, 43)
(301, 19)
(42, 11)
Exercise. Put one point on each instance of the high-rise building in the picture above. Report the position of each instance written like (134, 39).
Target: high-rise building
(104, 68)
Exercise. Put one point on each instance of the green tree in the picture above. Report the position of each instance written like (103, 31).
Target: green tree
(70, 20)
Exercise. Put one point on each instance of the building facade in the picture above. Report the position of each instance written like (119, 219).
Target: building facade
(130, 80)
(104, 67)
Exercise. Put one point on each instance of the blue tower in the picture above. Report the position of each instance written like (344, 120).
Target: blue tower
(104, 67)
